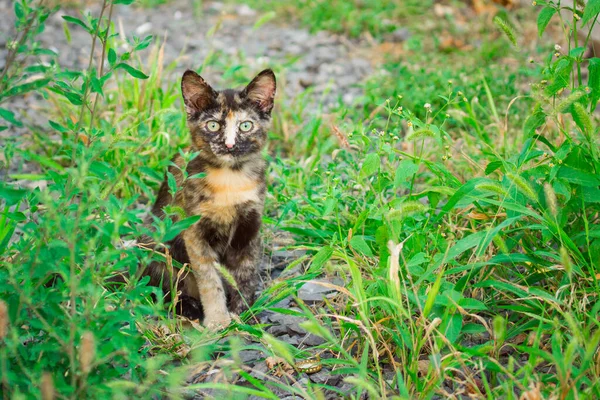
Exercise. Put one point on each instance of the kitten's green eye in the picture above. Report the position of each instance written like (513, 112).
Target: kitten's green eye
(213, 126)
(246, 126)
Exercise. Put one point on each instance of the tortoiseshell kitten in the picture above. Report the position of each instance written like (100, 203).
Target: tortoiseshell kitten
(229, 129)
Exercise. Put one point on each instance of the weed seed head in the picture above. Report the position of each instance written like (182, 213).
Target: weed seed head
(523, 186)
(566, 260)
(87, 350)
(551, 199)
(499, 325)
(421, 133)
(3, 319)
(47, 386)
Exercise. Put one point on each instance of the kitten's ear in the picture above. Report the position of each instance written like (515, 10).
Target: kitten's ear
(262, 90)
(197, 94)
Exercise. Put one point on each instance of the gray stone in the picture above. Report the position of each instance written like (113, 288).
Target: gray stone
(312, 340)
(313, 292)
(301, 383)
(283, 324)
(250, 355)
(293, 340)
(399, 35)
(325, 377)
(245, 10)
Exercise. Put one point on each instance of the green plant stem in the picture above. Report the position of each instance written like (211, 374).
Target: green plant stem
(87, 82)
(12, 53)
(101, 66)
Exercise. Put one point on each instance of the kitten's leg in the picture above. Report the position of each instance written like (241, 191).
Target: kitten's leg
(210, 285)
(242, 264)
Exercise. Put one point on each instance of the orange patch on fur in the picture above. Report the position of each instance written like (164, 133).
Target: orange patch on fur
(228, 188)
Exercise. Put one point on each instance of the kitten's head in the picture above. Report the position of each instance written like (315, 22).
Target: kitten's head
(230, 125)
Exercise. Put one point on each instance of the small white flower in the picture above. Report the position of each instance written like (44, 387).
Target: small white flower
(427, 106)
(557, 47)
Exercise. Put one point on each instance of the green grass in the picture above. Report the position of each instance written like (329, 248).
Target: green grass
(458, 200)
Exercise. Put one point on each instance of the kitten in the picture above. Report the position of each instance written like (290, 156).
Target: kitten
(229, 129)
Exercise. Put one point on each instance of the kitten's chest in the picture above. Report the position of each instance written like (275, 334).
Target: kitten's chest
(224, 191)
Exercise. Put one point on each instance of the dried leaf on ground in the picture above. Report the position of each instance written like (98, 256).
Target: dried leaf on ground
(278, 366)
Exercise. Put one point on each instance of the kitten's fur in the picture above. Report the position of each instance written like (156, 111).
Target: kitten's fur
(229, 198)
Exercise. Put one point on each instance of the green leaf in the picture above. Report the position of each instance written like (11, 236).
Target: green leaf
(143, 44)
(594, 81)
(112, 57)
(534, 121)
(136, 73)
(172, 182)
(592, 8)
(371, 164)
(359, 244)
(544, 18)
(19, 11)
(11, 195)
(9, 116)
(96, 85)
(591, 194)
(58, 127)
(77, 21)
(180, 226)
(199, 175)
(561, 76)
(24, 88)
(453, 327)
(406, 169)
(471, 304)
(578, 177)
(492, 166)
(126, 2)
(321, 257)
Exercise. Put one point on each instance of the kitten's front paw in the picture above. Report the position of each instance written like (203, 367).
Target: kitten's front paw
(216, 322)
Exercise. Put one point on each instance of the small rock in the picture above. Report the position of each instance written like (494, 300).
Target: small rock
(245, 11)
(301, 383)
(313, 292)
(250, 355)
(259, 370)
(325, 377)
(399, 35)
(293, 340)
(285, 303)
(144, 28)
(312, 340)
(286, 324)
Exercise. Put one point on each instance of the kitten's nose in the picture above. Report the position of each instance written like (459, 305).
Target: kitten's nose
(229, 145)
